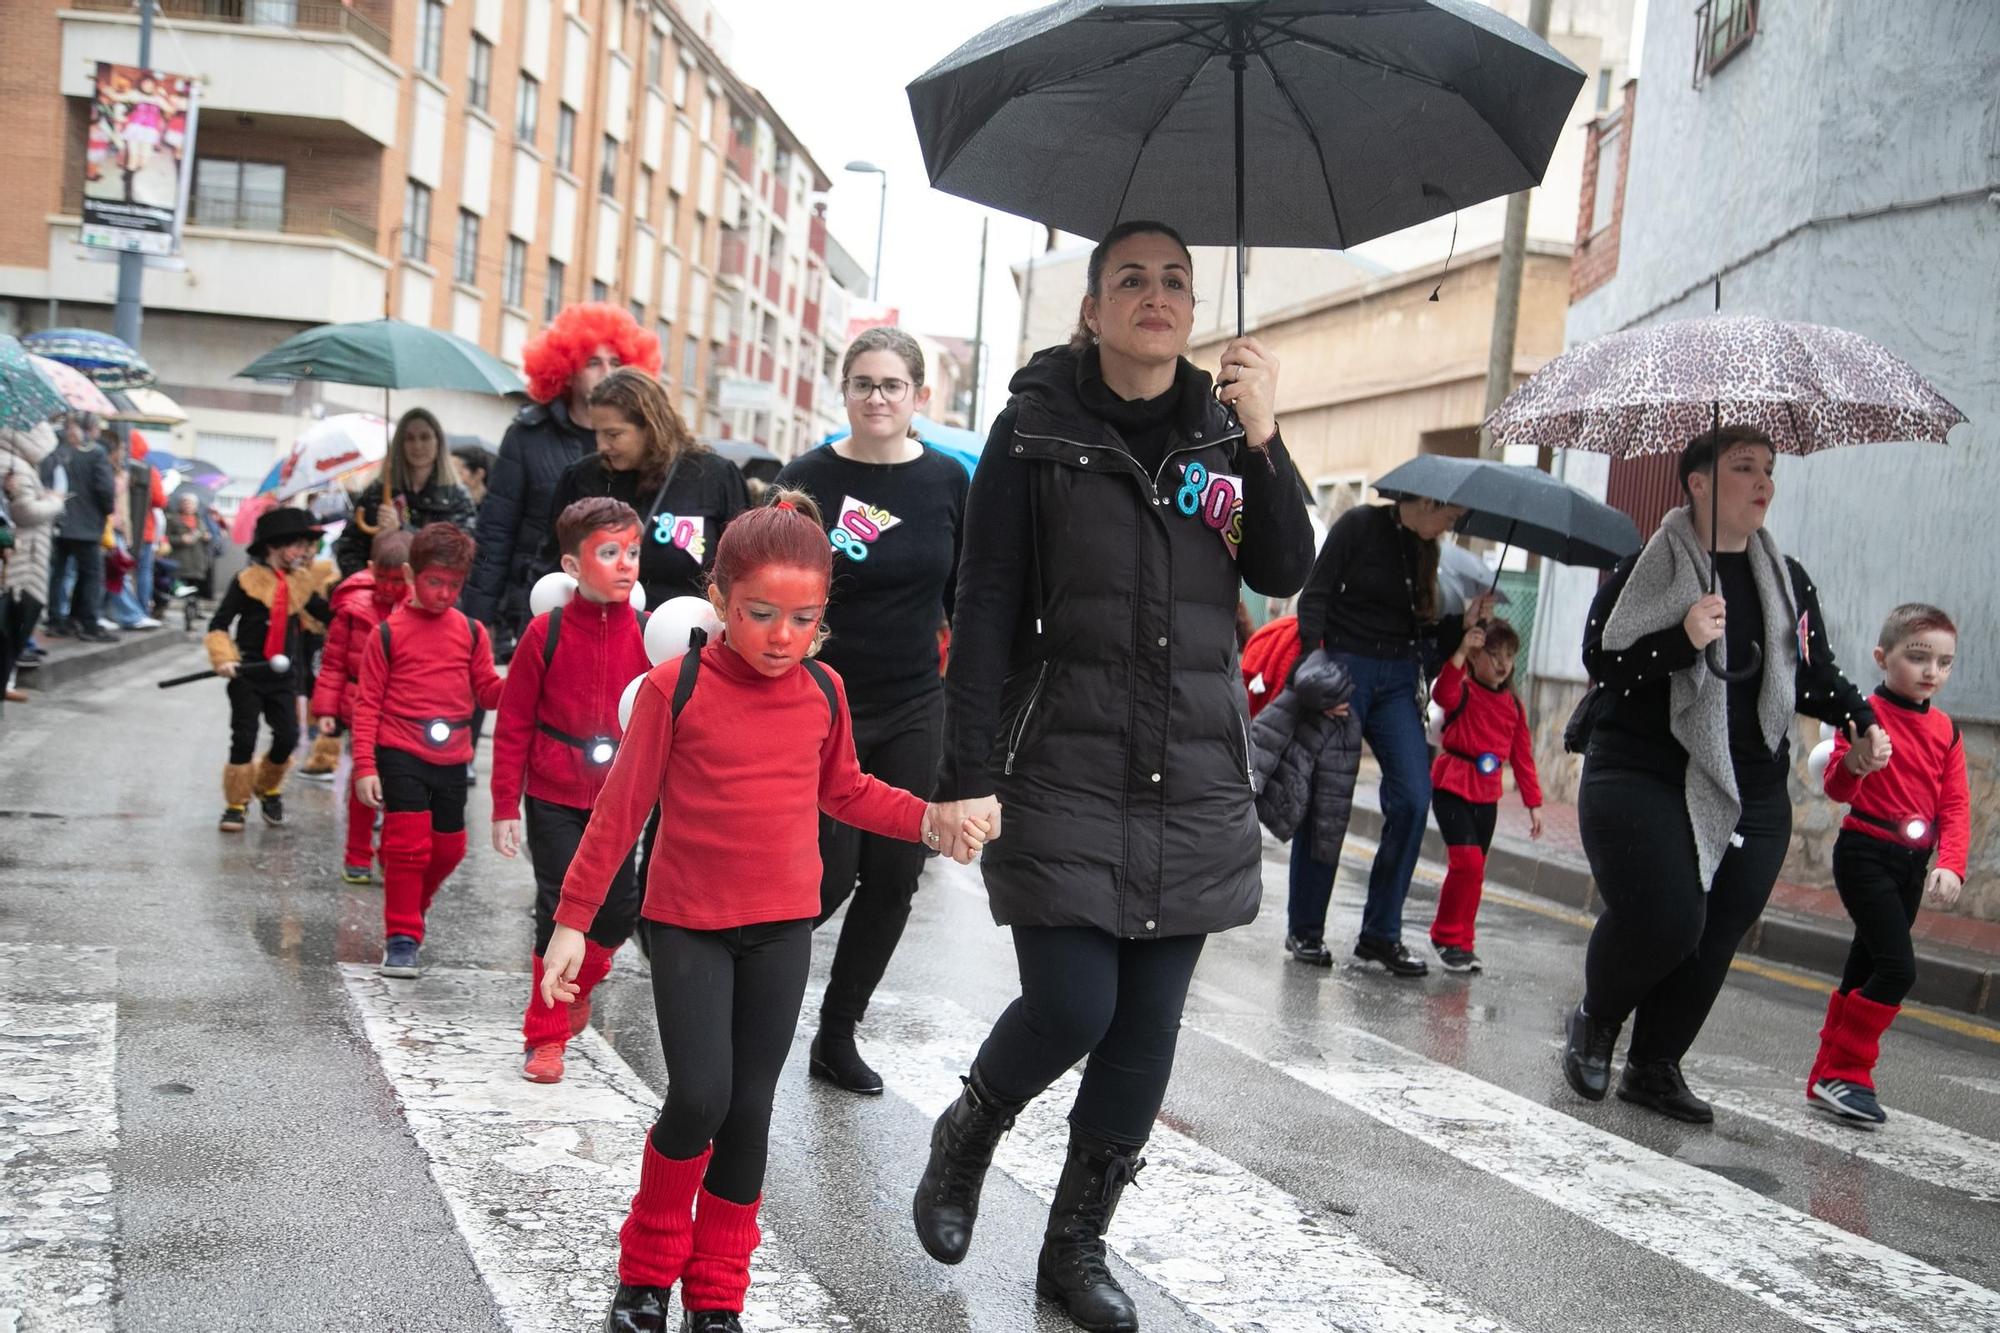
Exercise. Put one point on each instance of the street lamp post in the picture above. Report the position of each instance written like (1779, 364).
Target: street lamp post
(862, 168)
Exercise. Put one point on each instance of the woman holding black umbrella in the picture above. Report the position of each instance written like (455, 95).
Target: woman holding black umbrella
(1121, 503)
(1683, 807)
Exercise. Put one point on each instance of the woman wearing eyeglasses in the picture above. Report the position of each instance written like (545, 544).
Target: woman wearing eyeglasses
(893, 509)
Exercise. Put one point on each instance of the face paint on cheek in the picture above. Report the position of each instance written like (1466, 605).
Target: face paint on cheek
(607, 564)
(437, 590)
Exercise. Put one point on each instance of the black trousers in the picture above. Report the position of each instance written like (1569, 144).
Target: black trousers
(412, 783)
(1660, 951)
(553, 832)
(86, 602)
(899, 746)
(1881, 885)
(1085, 992)
(274, 702)
(727, 1002)
(1465, 823)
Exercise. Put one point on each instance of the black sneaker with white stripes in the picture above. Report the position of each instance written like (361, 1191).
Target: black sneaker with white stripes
(1848, 1101)
(1456, 959)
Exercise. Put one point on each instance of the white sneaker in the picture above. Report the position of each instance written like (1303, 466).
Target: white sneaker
(147, 622)
(109, 626)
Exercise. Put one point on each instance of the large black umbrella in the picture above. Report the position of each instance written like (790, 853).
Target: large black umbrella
(1343, 119)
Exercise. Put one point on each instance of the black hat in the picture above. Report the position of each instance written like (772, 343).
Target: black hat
(276, 527)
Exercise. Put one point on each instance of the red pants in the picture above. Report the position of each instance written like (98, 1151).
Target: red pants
(1468, 831)
(360, 832)
(416, 861)
(559, 1022)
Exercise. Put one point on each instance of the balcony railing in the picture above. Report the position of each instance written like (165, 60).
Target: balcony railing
(234, 213)
(781, 199)
(741, 158)
(802, 394)
(809, 317)
(773, 283)
(732, 254)
(328, 16)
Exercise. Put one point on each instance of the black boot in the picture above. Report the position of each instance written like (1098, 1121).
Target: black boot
(711, 1321)
(1072, 1270)
(962, 1144)
(836, 1061)
(1587, 1055)
(1658, 1086)
(637, 1310)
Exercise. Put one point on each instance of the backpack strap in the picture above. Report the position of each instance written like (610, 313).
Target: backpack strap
(690, 668)
(383, 628)
(555, 632)
(825, 683)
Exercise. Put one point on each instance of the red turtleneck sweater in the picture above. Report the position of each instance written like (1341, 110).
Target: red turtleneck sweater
(358, 608)
(740, 780)
(437, 667)
(599, 650)
(1491, 722)
(1925, 779)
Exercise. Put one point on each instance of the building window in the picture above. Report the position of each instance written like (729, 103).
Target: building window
(664, 331)
(642, 202)
(1604, 197)
(607, 168)
(598, 291)
(466, 267)
(565, 139)
(656, 55)
(680, 83)
(638, 309)
(479, 82)
(528, 109)
(514, 275)
(416, 219)
(244, 196)
(690, 361)
(1604, 89)
(672, 220)
(430, 37)
(1726, 27)
(552, 299)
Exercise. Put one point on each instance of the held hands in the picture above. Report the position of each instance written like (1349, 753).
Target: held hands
(959, 829)
(1942, 887)
(560, 962)
(1869, 753)
(328, 725)
(1535, 821)
(1248, 382)
(1704, 621)
(507, 837)
(368, 791)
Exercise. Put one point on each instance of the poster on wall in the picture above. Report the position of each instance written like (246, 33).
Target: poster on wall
(138, 159)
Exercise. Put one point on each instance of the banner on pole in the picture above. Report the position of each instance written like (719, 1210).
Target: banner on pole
(139, 159)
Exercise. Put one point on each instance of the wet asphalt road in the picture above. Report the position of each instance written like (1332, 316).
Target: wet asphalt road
(265, 1175)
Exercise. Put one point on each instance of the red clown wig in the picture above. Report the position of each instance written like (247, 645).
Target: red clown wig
(559, 351)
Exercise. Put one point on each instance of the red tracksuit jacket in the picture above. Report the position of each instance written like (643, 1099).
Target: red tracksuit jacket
(1925, 779)
(599, 650)
(436, 667)
(1491, 722)
(740, 779)
(356, 613)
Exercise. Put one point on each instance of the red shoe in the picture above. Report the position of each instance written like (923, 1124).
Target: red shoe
(544, 1064)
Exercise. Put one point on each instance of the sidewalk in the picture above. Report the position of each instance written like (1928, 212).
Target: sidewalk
(73, 660)
(1958, 958)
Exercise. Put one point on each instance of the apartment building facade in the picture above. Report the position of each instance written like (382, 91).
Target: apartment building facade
(473, 165)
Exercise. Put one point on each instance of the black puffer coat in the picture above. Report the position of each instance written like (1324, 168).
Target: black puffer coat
(1306, 762)
(437, 502)
(515, 518)
(1094, 684)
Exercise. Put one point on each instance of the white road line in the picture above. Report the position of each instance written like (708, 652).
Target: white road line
(1810, 1270)
(1232, 1248)
(58, 1132)
(538, 1177)
(1909, 1144)
(1973, 1081)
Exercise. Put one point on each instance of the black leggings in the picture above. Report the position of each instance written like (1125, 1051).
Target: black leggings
(1881, 884)
(1085, 992)
(1464, 823)
(727, 1003)
(274, 702)
(900, 747)
(553, 832)
(1662, 948)
(410, 783)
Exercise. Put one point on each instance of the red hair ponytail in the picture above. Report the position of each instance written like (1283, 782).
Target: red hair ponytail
(785, 532)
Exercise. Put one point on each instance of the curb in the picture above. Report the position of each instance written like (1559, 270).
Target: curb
(1965, 982)
(63, 670)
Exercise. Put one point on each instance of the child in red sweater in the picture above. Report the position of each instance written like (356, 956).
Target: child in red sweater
(1485, 726)
(557, 734)
(423, 672)
(741, 744)
(360, 603)
(1897, 817)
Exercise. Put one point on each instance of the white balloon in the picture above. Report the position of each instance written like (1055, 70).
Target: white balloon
(1434, 724)
(638, 597)
(667, 632)
(550, 591)
(1826, 731)
(1816, 762)
(625, 701)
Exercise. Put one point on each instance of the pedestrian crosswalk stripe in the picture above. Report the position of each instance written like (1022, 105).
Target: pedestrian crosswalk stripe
(538, 1176)
(58, 1133)
(1231, 1247)
(1909, 1144)
(1976, 1083)
(1810, 1270)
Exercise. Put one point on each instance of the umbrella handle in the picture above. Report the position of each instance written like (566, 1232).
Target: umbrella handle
(1720, 669)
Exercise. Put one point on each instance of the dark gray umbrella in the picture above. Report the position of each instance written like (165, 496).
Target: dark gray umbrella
(1344, 119)
(1426, 477)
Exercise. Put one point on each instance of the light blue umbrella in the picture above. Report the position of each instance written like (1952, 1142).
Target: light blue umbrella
(963, 445)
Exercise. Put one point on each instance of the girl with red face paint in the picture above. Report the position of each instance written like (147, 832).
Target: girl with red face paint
(741, 748)
(360, 603)
(423, 672)
(552, 749)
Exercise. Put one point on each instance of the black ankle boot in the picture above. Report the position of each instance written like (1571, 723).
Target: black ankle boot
(1587, 1055)
(711, 1321)
(962, 1144)
(637, 1310)
(1072, 1270)
(836, 1061)
(1657, 1085)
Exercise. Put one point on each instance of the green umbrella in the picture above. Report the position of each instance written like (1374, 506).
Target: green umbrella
(386, 353)
(25, 397)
